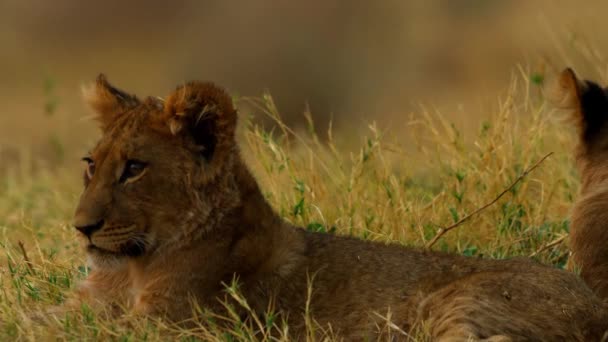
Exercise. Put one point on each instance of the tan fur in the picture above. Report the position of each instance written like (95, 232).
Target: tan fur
(589, 230)
(197, 219)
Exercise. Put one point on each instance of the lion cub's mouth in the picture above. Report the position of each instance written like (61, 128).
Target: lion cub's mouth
(91, 248)
(131, 248)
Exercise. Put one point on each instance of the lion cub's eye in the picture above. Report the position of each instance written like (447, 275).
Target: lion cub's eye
(90, 170)
(133, 170)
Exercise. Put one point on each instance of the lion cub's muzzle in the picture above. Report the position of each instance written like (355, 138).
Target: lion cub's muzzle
(119, 239)
(87, 230)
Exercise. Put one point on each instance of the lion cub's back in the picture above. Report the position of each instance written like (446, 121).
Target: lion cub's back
(518, 295)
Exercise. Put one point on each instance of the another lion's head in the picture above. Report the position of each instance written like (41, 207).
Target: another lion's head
(161, 169)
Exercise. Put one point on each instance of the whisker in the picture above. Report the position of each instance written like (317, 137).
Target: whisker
(108, 235)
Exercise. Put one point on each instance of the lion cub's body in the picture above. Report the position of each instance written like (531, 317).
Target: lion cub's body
(197, 221)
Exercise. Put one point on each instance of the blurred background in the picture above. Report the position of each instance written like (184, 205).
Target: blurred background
(348, 61)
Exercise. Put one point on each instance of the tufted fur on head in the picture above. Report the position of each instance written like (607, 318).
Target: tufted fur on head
(204, 112)
(107, 101)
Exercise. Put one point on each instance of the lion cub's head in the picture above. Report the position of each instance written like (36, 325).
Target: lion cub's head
(160, 170)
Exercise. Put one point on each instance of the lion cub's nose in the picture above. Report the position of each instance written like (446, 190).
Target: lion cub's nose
(89, 229)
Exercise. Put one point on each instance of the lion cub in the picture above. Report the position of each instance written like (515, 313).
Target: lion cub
(588, 232)
(170, 214)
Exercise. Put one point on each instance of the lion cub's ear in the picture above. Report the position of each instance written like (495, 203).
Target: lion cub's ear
(587, 100)
(205, 112)
(107, 101)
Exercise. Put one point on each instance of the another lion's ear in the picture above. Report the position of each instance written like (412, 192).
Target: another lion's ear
(587, 101)
(206, 113)
(107, 101)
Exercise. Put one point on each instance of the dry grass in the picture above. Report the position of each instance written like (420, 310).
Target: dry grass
(400, 184)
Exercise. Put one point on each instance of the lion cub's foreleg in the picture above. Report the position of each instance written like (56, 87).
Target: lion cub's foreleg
(171, 296)
(102, 290)
(171, 290)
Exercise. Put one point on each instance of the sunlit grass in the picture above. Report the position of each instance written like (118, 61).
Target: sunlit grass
(398, 184)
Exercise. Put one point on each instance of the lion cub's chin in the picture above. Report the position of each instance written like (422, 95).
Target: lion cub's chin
(101, 259)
